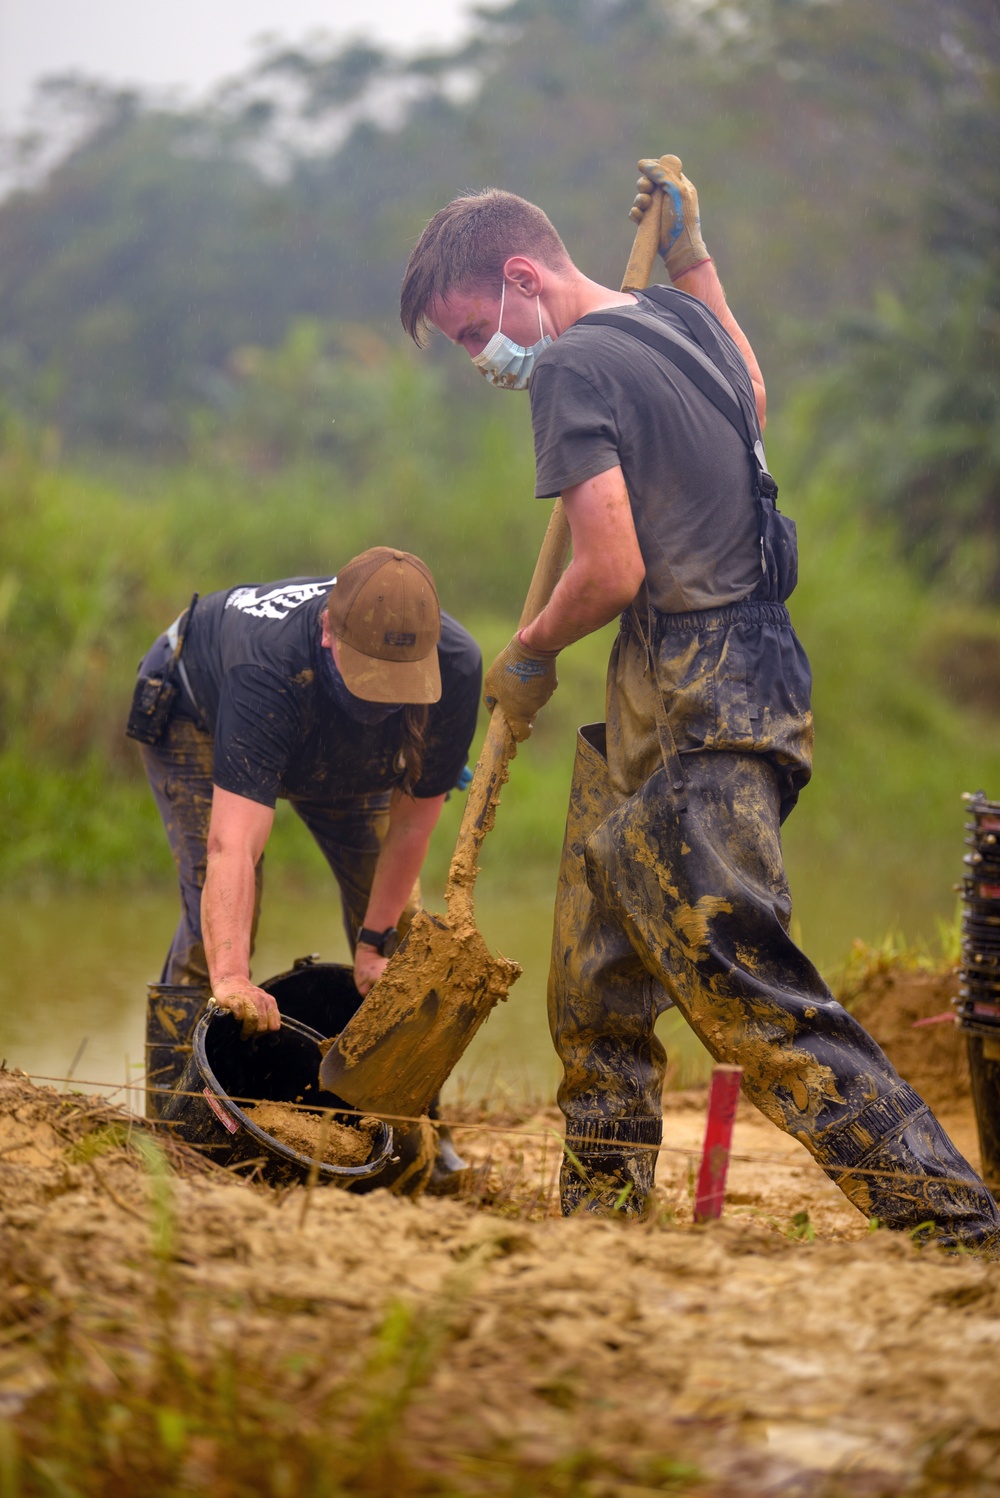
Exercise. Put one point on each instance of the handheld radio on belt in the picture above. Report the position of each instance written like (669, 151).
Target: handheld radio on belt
(154, 696)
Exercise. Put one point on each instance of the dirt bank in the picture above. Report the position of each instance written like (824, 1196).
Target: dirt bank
(891, 999)
(166, 1328)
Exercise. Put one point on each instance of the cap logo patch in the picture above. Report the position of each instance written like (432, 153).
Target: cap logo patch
(396, 637)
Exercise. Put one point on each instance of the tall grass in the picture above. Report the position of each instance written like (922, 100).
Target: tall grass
(93, 567)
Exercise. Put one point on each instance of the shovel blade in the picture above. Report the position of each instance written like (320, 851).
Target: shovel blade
(398, 1051)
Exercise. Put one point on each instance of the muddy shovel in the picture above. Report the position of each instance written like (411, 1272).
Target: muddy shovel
(401, 1046)
(397, 1052)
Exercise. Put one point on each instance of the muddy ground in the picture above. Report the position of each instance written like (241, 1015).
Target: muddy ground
(161, 1321)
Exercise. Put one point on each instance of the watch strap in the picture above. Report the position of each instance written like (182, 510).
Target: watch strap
(378, 939)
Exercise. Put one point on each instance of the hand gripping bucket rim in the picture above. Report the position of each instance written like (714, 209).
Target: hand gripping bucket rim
(223, 1106)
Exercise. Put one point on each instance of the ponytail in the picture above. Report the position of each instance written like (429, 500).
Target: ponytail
(414, 745)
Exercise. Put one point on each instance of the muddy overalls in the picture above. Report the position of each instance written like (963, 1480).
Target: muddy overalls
(672, 890)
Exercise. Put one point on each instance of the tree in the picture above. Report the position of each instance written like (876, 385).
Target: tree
(912, 407)
(167, 239)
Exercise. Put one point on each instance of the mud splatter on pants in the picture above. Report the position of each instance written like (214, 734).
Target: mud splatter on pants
(179, 770)
(658, 904)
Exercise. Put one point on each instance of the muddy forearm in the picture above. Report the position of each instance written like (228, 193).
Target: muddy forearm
(607, 567)
(227, 906)
(580, 603)
(411, 823)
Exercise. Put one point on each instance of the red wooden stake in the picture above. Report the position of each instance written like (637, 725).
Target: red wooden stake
(723, 1095)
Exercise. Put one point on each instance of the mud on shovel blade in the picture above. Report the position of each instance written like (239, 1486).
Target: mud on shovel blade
(397, 1052)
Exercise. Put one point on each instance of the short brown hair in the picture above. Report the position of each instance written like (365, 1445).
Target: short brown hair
(466, 245)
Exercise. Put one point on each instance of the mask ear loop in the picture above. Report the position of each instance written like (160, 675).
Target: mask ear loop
(503, 293)
(538, 305)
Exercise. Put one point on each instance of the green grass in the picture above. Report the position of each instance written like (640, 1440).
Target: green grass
(93, 567)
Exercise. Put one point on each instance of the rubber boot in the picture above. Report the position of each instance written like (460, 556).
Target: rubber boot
(609, 1166)
(172, 1011)
(449, 1172)
(983, 1045)
(703, 895)
(913, 1179)
(692, 903)
(411, 1175)
(603, 1004)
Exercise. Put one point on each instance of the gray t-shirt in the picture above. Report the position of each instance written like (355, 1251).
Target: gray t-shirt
(599, 399)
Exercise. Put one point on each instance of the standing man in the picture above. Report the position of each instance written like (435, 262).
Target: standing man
(354, 698)
(646, 412)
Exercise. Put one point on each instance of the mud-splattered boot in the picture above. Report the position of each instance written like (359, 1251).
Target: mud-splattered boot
(912, 1178)
(609, 1166)
(449, 1172)
(702, 898)
(425, 1160)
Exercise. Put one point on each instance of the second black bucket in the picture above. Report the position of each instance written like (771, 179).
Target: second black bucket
(172, 1011)
(278, 1066)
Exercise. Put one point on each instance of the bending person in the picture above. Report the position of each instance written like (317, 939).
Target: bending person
(354, 698)
(646, 411)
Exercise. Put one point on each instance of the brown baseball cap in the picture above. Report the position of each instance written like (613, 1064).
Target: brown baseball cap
(383, 609)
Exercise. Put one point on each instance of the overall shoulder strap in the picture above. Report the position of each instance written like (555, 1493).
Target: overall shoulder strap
(700, 364)
(713, 340)
(701, 371)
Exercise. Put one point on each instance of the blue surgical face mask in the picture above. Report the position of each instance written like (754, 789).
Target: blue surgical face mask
(505, 363)
(367, 713)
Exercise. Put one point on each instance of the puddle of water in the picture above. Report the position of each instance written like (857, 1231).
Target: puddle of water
(76, 968)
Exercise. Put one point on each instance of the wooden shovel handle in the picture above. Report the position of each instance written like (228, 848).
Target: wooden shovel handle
(499, 746)
(645, 247)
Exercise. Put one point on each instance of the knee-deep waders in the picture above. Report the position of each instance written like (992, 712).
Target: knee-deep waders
(675, 892)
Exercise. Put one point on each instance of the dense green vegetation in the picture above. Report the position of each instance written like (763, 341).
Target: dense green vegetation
(204, 382)
(846, 152)
(94, 569)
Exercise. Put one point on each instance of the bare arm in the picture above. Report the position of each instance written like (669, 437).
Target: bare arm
(685, 253)
(237, 834)
(703, 282)
(412, 819)
(607, 567)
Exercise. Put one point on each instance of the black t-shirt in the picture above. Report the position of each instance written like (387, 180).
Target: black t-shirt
(600, 398)
(256, 667)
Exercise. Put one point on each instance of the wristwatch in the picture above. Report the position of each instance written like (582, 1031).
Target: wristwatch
(385, 942)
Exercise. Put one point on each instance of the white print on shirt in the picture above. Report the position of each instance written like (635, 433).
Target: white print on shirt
(280, 602)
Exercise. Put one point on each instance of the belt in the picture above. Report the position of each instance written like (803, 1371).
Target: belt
(745, 611)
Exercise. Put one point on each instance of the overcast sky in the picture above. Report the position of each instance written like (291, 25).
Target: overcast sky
(189, 43)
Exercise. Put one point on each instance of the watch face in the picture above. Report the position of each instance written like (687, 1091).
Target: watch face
(390, 942)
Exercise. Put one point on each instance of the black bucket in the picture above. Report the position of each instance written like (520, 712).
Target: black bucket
(983, 1044)
(172, 1011)
(318, 994)
(280, 1066)
(321, 995)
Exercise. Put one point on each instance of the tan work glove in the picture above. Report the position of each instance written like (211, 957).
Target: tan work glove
(681, 244)
(520, 680)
